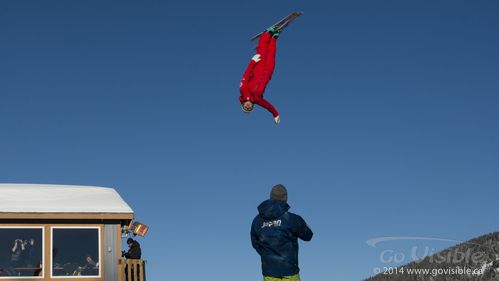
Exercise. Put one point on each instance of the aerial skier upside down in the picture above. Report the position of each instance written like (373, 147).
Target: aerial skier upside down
(258, 74)
(261, 67)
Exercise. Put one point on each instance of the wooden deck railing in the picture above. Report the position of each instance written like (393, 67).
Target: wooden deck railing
(131, 270)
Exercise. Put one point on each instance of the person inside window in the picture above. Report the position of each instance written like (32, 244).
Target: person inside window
(91, 267)
(15, 257)
(27, 255)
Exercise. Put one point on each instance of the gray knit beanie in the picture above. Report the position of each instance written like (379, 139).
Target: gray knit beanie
(279, 192)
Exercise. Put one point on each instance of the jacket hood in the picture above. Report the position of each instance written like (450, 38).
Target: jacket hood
(272, 209)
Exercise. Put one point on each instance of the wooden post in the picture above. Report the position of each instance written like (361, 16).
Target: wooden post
(135, 266)
(142, 270)
(129, 270)
(121, 269)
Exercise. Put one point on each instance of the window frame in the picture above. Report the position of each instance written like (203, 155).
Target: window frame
(42, 242)
(100, 244)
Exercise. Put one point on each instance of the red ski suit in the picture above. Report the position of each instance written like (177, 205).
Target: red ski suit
(258, 74)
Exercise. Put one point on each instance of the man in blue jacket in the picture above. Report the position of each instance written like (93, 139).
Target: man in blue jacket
(274, 235)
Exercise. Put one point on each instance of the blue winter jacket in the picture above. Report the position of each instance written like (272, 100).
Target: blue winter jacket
(274, 235)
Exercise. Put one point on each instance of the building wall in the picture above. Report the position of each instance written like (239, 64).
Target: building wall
(112, 251)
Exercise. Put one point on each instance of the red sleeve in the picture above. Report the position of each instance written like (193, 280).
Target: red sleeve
(267, 105)
(243, 88)
(247, 73)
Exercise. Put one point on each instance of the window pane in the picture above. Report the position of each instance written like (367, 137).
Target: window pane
(21, 252)
(75, 252)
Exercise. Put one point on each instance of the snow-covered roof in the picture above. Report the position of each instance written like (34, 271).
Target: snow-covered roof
(43, 198)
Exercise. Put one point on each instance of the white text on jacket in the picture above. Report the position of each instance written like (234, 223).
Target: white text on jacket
(271, 223)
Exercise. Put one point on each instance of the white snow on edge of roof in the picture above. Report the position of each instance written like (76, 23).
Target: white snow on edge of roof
(46, 198)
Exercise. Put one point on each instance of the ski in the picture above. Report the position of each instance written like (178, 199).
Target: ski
(280, 25)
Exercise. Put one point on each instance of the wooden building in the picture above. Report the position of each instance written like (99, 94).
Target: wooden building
(60, 232)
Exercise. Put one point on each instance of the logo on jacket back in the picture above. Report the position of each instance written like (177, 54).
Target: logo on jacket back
(275, 223)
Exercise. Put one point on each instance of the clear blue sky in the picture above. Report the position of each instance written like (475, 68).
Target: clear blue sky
(389, 122)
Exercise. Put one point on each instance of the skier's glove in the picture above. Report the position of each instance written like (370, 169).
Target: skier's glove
(256, 58)
(277, 119)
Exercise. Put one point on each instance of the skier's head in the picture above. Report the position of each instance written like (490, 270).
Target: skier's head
(247, 106)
